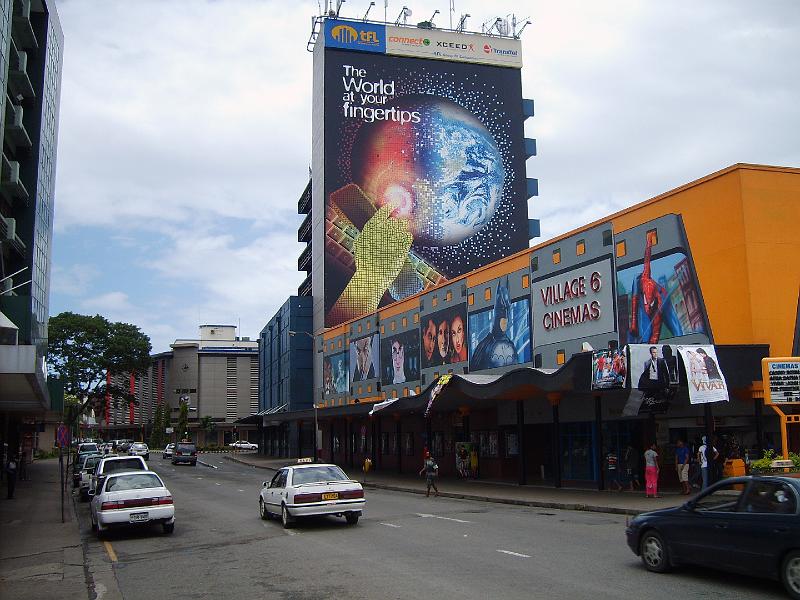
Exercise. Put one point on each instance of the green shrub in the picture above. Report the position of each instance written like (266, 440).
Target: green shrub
(764, 462)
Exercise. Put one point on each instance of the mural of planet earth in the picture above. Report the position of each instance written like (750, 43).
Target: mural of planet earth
(443, 174)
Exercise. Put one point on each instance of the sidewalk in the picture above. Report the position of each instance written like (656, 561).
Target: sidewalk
(623, 503)
(40, 557)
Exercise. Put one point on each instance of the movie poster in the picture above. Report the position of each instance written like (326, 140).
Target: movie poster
(364, 358)
(658, 300)
(424, 175)
(444, 337)
(654, 378)
(705, 378)
(334, 373)
(609, 369)
(400, 357)
(500, 336)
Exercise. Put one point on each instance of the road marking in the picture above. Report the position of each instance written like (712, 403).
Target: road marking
(198, 477)
(392, 525)
(241, 490)
(514, 553)
(426, 516)
(290, 532)
(111, 554)
(217, 483)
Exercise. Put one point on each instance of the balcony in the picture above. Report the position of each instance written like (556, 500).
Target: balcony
(304, 262)
(304, 204)
(304, 233)
(10, 184)
(305, 287)
(21, 28)
(9, 237)
(15, 133)
(19, 84)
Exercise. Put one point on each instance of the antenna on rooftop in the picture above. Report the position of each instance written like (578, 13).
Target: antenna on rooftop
(515, 22)
(452, 10)
(404, 14)
(436, 12)
(463, 22)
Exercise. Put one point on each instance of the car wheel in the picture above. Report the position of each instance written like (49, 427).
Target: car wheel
(654, 552)
(262, 510)
(352, 518)
(790, 574)
(168, 527)
(286, 520)
(147, 457)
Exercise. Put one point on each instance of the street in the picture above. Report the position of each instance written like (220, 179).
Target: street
(405, 546)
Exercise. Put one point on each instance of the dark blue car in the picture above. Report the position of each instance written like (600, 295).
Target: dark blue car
(747, 525)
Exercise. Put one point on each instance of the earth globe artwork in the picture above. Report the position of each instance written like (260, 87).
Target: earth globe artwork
(444, 174)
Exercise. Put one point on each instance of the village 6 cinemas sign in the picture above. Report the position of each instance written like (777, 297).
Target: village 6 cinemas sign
(574, 304)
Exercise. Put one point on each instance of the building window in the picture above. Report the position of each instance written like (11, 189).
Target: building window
(557, 256)
(369, 324)
(487, 294)
(436, 375)
(383, 330)
(622, 249)
(561, 357)
(471, 299)
(652, 237)
(580, 247)
(330, 345)
(535, 263)
(394, 393)
(393, 326)
(537, 361)
(360, 389)
(340, 343)
(526, 281)
(405, 321)
(435, 301)
(607, 237)
(416, 317)
(369, 389)
(449, 295)
(405, 391)
(417, 390)
(359, 328)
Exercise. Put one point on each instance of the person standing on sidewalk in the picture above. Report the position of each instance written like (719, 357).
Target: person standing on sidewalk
(612, 470)
(431, 470)
(703, 459)
(631, 459)
(11, 472)
(651, 472)
(682, 465)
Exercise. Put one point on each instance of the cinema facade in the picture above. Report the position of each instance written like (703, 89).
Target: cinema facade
(706, 263)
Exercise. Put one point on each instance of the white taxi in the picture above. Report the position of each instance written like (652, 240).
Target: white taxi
(132, 498)
(306, 490)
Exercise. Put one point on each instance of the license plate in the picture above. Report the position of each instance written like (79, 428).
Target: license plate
(331, 496)
(139, 517)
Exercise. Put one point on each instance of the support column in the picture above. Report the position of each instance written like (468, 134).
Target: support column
(598, 443)
(299, 439)
(330, 439)
(522, 463)
(709, 422)
(373, 452)
(758, 410)
(377, 447)
(347, 454)
(429, 438)
(554, 401)
(399, 446)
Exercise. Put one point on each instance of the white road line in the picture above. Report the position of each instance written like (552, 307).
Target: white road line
(514, 553)
(217, 483)
(290, 532)
(392, 525)
(426, 516)
(241, 490)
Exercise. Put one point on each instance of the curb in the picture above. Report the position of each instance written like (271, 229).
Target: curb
(613, 510)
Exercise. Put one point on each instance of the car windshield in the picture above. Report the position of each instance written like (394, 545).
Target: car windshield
(140, 446)
(88, 448)
(137, 481)
(185, 447)
(91, 462)
(317, 474)
(125, 464)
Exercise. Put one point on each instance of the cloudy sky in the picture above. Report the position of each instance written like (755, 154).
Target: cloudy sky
(185, 134)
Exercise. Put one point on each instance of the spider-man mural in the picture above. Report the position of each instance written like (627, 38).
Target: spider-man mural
(651, 307)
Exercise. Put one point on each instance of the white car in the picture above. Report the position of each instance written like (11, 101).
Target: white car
(114, 464)
(244, 445)
(87, 470)
(169, 449)
(139, 449)
(311, 489)
(132, 498)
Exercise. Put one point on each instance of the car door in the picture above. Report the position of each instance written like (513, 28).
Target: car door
(701, 533)
(275, 491)
(765, 526)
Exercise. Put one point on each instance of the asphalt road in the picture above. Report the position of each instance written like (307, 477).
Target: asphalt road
(405, 546)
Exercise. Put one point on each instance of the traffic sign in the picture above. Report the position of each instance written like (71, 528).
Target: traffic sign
(63, 436)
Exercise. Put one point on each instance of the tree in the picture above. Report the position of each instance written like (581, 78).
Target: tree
(183, 421)
(82, 350)
(158, 436)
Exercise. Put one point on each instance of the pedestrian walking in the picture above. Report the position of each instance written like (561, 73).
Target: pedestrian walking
(651, 472)
(703, 460)
(631, 459)
(682, 465)
(612, 470)
(431, 471)
(11, 472)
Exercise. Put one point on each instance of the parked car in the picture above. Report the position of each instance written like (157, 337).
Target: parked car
(131, 498)
(244, 445)
(311, 489)
(114, 464)
(85, 476)
(139, 449)
(747, 525)
(124, 445)
(168, 451)
(185, 452)
(79, 465)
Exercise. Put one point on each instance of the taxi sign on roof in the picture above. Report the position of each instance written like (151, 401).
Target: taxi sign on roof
(304, 460)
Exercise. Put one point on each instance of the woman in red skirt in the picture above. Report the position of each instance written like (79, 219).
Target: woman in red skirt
(651, 471)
